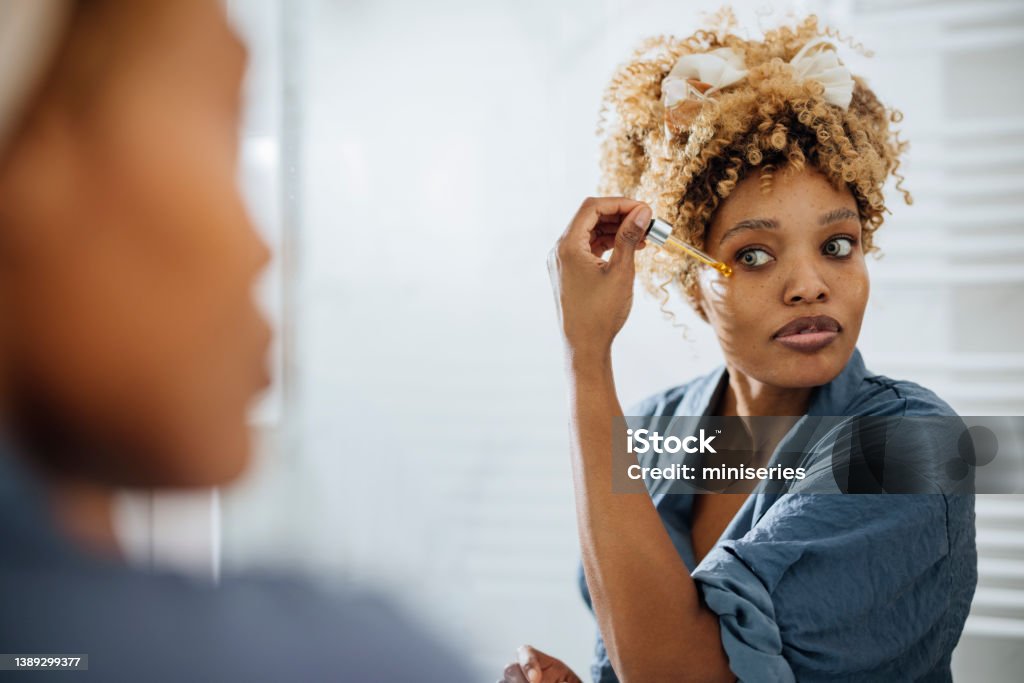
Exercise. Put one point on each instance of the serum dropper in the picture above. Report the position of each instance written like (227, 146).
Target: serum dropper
(660, 233)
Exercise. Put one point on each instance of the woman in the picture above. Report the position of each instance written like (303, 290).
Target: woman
(132, 349)
(771, 157)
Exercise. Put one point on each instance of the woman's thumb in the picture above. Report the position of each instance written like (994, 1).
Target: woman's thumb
(629, 235)
(530, 663)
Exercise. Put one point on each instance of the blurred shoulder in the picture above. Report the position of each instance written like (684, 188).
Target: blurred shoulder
(252, 627)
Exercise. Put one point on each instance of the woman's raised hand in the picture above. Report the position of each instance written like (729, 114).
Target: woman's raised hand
(594, 296)
(534, 666)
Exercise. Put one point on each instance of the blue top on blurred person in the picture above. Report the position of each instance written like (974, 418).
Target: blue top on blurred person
(132, 350)
(152, 626)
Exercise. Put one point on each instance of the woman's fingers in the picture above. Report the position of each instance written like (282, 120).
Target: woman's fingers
(593, 297)
(513, 674)
(533, 662)
(601, 244)
(593, 212)
(628, 238)
(603, 240)
(540, 667)
(529, 662)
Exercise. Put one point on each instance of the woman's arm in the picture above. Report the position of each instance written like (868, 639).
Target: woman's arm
(647, 606)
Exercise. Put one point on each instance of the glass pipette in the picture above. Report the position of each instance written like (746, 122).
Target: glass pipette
(660, 233)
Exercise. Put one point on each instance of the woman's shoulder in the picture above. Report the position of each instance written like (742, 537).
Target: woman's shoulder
(693, 393)
(660, 403)
(884, 395)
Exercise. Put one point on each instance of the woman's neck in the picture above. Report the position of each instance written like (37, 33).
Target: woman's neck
(746, 396)
(84, 511)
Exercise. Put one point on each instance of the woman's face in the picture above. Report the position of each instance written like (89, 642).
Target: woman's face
(132, 347)
(796, 256)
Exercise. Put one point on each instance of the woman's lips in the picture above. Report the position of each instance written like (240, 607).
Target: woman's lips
(808, 341)
(808, 333)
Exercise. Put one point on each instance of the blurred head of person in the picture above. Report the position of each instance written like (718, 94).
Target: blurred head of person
(131, 347)
(766, 153)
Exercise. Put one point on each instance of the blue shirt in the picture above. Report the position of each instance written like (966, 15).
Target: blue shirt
(150, 626)
(815, 587)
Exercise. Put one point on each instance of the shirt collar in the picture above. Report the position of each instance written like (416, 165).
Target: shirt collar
(831, 398)
(835, 397)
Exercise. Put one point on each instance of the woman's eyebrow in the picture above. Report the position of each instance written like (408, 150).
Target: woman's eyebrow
(833, 216)
(750, 224)
(836, 215)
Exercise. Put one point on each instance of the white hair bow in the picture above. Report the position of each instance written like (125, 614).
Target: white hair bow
(818, 61)
(696, 76)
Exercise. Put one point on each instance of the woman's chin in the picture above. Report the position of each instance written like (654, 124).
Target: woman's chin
(800, 369)
(208, 463)
(226, 466)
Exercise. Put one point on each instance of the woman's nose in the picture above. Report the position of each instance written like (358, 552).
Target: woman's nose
(805, 285)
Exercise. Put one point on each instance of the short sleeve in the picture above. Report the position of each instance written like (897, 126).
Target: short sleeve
(827, 586)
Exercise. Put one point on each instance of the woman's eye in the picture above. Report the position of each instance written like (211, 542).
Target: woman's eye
(839, 246)
(754, 257)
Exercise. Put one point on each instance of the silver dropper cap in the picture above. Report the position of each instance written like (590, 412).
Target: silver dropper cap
(659, 231)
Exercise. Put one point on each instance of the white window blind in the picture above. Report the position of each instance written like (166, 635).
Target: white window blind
(952, 283)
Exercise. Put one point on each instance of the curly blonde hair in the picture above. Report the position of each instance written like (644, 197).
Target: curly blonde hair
(768, 121)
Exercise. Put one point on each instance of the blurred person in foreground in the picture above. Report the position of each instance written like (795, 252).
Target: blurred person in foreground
(131, 350)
